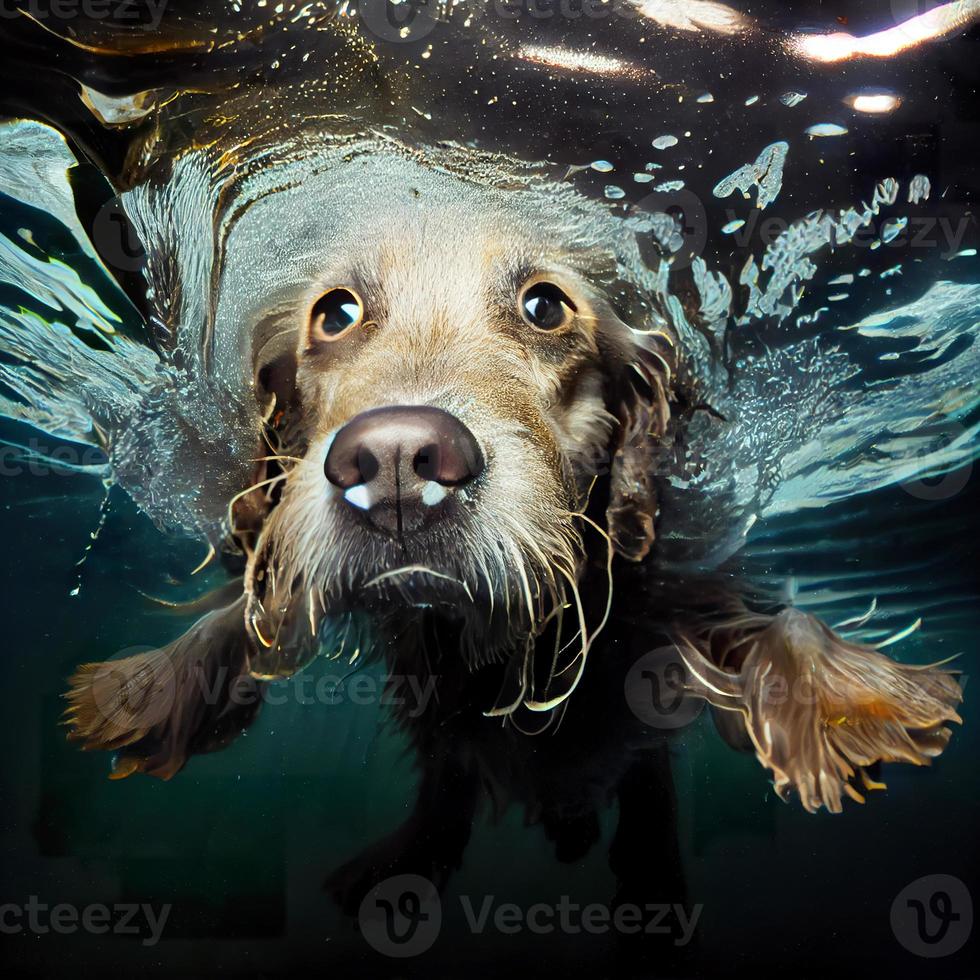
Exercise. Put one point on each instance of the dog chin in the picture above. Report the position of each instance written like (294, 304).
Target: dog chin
(484, 621)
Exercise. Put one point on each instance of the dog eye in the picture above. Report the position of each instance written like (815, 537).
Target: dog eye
(546, 307)
(334, 313)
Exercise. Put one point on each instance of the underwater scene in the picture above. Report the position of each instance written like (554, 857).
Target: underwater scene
(489, 486)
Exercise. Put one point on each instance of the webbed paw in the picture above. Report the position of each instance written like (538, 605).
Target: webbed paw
(819, 709)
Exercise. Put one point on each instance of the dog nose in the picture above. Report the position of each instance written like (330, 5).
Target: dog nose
(399, 463)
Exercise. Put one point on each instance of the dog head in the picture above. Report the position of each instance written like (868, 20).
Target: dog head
(471, 360)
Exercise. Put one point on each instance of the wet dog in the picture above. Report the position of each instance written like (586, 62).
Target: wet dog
(463, 389)
(439, 406)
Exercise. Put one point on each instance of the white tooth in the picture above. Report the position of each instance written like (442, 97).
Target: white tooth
(358, 496)
(434, 493)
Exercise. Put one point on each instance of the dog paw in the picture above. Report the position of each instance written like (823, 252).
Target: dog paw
(819, 709)
(156, 709)
(349, 884)
(431, 853)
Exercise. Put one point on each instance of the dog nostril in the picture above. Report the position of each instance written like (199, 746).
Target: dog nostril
(450, 465)
(346, 466)
(367, 465)
(426, 462)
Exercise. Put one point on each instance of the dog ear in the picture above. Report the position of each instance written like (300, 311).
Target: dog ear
(643, 414)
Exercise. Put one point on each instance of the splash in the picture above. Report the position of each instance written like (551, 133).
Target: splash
(766, 174)
(919, 189)
(788, 258)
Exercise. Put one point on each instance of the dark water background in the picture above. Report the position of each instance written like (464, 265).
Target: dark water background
(240, 842)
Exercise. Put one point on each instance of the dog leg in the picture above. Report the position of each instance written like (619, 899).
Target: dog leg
(160, 707)
(430, 843)
(818, 709)
(645, 852)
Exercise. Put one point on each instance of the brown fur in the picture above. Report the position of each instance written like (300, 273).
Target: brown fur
(569, 423)
(442, 327)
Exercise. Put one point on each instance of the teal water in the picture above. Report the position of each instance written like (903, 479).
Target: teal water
(240, 841)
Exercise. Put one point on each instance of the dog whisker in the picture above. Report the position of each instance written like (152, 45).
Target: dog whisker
(270, 481)
(420, 569)
(276, 458)
(206, 560)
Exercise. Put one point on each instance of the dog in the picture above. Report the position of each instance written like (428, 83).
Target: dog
(436, 404)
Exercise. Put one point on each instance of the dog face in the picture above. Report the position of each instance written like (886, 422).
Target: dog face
(461, 379)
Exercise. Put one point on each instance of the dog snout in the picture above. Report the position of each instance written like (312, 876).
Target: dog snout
(399, 463)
